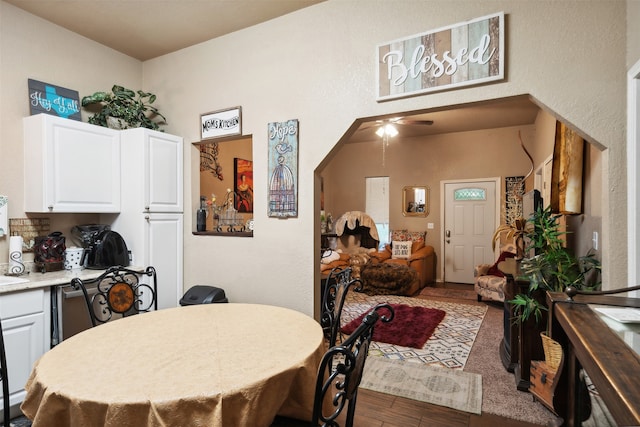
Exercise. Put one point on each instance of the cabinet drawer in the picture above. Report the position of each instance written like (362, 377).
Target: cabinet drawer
(21, 303)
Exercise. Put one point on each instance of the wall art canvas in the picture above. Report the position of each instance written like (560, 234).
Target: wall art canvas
(283, 169)
(243, 185)
(514, 190)
(566, 175)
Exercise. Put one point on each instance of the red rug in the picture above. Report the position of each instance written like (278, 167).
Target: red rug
(410, 327)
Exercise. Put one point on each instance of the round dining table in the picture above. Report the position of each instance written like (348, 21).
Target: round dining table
(201, 365)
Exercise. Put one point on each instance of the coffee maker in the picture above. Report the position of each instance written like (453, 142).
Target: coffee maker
(103, 247)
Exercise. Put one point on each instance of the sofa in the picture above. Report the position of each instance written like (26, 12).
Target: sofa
(489, 281)
(408, 249)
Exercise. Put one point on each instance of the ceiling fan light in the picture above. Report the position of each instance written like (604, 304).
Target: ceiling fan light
(391, 130)
(380, 131)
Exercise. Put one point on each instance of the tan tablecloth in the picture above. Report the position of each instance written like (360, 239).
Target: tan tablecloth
(204, 365)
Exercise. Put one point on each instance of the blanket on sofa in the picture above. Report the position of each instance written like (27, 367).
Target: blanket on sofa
(388, 279)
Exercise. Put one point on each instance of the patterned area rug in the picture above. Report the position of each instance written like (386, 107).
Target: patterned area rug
(448, 347)
(445, 387)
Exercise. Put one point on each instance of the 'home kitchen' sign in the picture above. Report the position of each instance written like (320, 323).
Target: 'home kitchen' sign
(463, 54)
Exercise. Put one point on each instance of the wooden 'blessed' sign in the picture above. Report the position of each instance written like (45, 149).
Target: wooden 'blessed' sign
(463, 54)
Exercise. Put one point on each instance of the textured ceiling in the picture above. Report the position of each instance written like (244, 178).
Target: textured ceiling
(145, 29)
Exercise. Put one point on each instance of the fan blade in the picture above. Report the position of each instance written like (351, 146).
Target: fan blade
(368, 126)
(414, 122)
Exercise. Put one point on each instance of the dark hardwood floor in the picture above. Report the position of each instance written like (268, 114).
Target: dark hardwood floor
(382, 410)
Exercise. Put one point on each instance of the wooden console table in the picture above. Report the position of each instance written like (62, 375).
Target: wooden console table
(590, 344)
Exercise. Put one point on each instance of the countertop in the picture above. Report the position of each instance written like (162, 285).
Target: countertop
(36, 280)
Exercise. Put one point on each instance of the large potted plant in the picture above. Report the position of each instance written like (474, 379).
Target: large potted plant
(123, 108)
(553, 267)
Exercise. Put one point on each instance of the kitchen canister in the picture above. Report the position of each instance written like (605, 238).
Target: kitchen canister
(72, 258)
(16, 266)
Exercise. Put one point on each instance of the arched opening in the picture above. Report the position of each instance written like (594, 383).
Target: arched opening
(466, 141)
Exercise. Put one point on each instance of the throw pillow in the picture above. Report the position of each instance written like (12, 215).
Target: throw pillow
(494, 270)
(399, 235)
(416, 236)
(401, 250)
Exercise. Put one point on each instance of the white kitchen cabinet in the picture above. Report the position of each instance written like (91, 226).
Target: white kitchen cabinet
(70, 166)
(26, 323)
(164, 250)
(152, 171)
(151, 218)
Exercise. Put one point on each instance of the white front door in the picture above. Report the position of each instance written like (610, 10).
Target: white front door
(469, 223)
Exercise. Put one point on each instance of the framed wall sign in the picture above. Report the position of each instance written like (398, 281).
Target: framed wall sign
(55, 100)
(463, 54)
(221, 123)
(283, 169)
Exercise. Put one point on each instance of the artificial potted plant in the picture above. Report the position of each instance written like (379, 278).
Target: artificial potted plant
(553, 267)
(123, 108)
(516, 232)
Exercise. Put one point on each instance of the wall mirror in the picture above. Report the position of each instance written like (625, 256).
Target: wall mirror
(415, 201)
(226, 175)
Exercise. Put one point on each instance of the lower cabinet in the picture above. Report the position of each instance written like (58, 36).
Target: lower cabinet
(26, 328)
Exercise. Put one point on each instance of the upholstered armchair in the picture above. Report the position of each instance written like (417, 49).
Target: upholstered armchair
(408, 248)
(489, 281)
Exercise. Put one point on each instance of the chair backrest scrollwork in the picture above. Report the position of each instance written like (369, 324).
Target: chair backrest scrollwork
(119, 291)
(336, 287)
(341, 369)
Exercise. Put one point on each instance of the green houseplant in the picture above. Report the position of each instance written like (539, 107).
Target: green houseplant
(553, 267)
(123, 108)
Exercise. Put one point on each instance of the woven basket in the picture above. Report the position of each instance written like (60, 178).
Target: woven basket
(552, 351)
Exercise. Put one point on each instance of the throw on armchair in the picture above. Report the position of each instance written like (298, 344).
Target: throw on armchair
(408, 248)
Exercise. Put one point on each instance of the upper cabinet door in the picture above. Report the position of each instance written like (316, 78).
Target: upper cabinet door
(70, 166)
(152, 164)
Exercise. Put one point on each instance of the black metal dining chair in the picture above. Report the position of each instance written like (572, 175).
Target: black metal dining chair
(4, 377)
(340, 373)
(336, 287)
(119, 291)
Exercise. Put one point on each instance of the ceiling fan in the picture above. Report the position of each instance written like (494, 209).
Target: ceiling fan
(388, 127)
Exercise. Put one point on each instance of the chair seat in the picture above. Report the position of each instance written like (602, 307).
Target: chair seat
(490, 287)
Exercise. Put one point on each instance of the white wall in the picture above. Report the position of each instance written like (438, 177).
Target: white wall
(318, 65)
(33, 48)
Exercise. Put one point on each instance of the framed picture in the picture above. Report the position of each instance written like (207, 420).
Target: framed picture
(221, 123)
(283, 169)
(243, 185)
